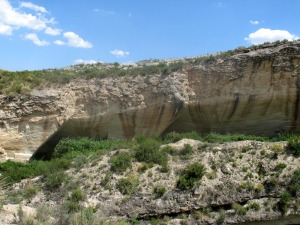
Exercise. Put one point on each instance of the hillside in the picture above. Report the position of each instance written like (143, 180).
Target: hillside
(205, 180)
(248, 90)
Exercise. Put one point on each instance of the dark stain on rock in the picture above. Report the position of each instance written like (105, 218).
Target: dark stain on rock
(235, 105)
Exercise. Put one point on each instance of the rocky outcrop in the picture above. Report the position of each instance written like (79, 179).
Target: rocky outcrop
(244, 181)
(253, 92)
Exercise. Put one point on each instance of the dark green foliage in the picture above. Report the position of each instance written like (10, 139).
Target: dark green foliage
(294, 185)
(54, 180)
(120, 162)
(191, 174)
(128, 185)
(254, 206)
(280, 167)
(186, 152)
(285, 202)
(159, 191)
(72, 206)
(149, 151)
(294, 146)
(86, 145)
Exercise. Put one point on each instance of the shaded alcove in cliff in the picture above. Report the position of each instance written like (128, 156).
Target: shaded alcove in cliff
(146, 121)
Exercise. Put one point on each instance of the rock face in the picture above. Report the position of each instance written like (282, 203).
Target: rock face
(255, 92)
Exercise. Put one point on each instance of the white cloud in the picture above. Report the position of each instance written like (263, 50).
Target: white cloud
(254, 22)
(12, 18)
(119, 53)
(52, 31)
(32, 6)
(5, 29)
(35, 39)
(74, 40)
(84, 61)
(267, 35)
(59, 42)
(15, 19)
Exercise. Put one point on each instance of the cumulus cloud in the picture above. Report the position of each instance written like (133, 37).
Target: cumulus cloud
(32, 6)
(35, 39)
(14, 19)
(119, 53)
(5, 29)
(37, 21)
(84, 61)
(52, 31)
(267, 35)
(74, 40)
(254, 22)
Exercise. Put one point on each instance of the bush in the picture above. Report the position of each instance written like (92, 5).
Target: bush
(149, 151)
(254, 206)
(159, 191)
(239, 209)
(186, 152)
(191, 174)
(30, 191)
(285, 202)
(55, 180)
(294, 146)
(280, 167)
(77, 195)
(128, 185)
(120, 162)
(294, 185)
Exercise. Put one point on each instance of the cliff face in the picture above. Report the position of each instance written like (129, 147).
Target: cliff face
(253, 92)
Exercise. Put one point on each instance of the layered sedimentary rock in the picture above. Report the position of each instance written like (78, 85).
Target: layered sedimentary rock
(254, 92)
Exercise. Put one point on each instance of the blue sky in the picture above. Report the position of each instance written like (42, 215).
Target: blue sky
(42, 34)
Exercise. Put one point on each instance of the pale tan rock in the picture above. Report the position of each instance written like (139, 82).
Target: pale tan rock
(254, 92)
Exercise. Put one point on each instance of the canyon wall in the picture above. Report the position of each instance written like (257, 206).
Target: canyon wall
(253, 92)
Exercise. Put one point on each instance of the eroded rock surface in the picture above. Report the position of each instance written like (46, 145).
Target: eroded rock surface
(253, 92)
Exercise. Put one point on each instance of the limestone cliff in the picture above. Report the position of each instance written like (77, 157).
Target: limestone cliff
(251, 91)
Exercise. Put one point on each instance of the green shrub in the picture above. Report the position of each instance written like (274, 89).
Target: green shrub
(280, 167)
(254, 206)
(72, 206)
(86, 146)
(285, 202)
(159, 191)
(294, 146)
(239, 209)
(120, 162)
(30, 191)
(128, 185)
(105, 183)
(190, 175)
(294, 185)
(77, 195)
(54, 181)
(149, 151)
(186, 152)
